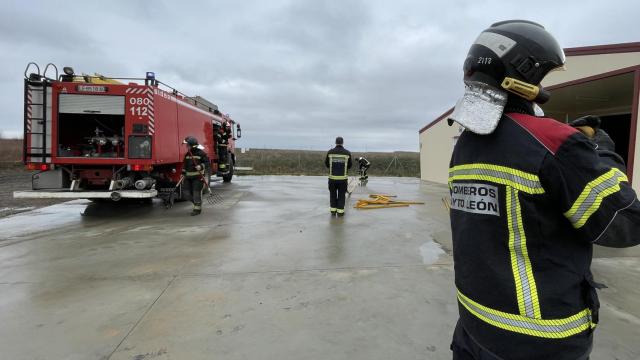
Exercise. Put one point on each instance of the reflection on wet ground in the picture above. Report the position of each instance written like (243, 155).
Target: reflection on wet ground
(263, 273)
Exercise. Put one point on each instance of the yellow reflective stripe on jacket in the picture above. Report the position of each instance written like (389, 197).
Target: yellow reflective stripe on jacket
(193, 173)
(526, 289)
(552, 329)
(335, 177)
(517, 179)
(591, 197)
(192, 157)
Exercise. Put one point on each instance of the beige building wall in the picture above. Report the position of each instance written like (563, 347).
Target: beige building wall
(583, 66)
(436, 146)
(436, 143)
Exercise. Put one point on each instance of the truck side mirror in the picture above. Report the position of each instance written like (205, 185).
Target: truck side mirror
(238, 131)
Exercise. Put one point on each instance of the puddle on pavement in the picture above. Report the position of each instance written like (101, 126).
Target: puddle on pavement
(42, 219)
(430, 252)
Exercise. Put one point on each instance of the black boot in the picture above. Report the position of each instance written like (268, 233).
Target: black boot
(195, 212)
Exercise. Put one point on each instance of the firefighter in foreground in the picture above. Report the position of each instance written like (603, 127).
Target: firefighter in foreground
(195, 169)
(338, 160)
(529, 198)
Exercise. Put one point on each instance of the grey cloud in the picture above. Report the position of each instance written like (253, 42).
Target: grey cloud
(326, 28)
(295, 73)
(19, 31)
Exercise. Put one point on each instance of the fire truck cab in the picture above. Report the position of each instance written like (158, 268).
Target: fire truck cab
(95, 137)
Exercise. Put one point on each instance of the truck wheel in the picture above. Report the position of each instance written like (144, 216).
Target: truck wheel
(227, 178)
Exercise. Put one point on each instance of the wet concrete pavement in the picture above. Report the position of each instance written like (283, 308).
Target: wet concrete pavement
(264, 273)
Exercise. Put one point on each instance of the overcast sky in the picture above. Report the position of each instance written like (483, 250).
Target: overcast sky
(294, 73)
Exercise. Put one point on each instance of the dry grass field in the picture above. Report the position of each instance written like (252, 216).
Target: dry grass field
(14, 176)
(305, 162)
(10, 151)
(279, 162)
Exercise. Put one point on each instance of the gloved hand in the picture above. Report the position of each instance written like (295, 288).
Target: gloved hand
(606, 148)
(603, 140)
(183, 172)
(588, 125)
(198, 167)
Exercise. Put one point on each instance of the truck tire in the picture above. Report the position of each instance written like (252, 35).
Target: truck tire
(227, 178)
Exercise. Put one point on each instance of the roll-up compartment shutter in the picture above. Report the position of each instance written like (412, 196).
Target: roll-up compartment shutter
(91, 104)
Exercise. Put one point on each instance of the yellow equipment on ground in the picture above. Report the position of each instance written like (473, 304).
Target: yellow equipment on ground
(447, 204)
(381, 201)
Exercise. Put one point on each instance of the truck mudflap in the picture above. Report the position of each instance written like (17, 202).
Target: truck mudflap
(66, 194)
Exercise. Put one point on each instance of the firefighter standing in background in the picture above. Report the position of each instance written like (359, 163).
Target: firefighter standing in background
(338, 160)
(363, 166)
(529, 198)
(222, 139)
(195, 167)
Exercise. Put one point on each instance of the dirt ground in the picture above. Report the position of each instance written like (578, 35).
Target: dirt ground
(16, 177)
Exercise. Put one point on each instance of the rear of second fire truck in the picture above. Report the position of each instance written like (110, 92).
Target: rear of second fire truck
(93, 137)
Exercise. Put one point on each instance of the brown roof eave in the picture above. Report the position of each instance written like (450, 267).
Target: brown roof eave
(440, 118)
(576, 51)
(603, 49)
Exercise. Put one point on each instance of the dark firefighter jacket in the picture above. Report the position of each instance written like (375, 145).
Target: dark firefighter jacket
(527, 203)
(222, 135)
(338, 160)
(364, 163)
(607, 150)
(195, 157)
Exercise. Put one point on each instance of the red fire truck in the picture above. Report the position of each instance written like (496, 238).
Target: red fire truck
(95, 137)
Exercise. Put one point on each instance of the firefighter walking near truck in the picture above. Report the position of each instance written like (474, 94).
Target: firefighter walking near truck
(529, 198)
(338, 160)
(195, 170)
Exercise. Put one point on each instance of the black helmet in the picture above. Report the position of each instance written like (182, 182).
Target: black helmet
(515, 55)
(191, 141)
(339, 140)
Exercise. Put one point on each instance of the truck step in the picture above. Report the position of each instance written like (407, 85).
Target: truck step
(66, 194)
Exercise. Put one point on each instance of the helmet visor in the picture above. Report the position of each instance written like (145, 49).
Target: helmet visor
(480, 108)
